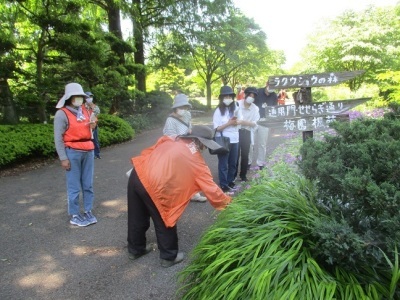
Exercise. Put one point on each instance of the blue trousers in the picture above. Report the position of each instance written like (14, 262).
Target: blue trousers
(227, 165)
(80, 177)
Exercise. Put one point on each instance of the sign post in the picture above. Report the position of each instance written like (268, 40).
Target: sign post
(306, 115)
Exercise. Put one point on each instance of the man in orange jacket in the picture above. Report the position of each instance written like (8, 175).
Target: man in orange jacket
(163, 180)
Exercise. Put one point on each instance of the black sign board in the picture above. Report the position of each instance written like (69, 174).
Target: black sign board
(311, 80)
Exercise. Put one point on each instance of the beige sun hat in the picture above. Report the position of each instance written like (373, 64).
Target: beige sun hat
(71, 89)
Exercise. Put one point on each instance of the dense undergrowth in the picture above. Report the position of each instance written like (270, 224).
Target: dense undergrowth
(319, 223)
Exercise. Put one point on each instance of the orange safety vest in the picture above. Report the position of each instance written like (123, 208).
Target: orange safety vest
(78, 134)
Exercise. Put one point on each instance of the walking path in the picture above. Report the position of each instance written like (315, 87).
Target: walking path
(43, 257)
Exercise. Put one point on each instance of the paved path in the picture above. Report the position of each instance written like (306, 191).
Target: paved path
(43, 257)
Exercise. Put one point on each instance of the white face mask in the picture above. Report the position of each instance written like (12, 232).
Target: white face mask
(270, 90)
(249, 100)
(78, 101)
(183, 113)
(227, 102)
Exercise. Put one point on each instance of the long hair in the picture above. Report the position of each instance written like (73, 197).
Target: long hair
(223, 108)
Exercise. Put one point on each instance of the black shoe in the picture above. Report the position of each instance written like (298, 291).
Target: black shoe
(244, 178)
(225, 189)
(231, 185)
(261, 167)
(97, 157)
(169, 263)
(149, 248)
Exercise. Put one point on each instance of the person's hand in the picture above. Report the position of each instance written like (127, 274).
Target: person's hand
(66, 165)
(233, 121)
(264, 105)
(92, 125)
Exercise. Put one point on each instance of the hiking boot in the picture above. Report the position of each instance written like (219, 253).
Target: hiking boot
(169, 263)
(148, 249)
(198, 198)
(78, 220)
(90, 217)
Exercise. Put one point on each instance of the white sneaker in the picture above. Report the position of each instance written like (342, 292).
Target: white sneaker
(198, 198)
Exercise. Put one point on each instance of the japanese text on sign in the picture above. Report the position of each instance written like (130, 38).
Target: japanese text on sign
(313, 109)
(305, 81)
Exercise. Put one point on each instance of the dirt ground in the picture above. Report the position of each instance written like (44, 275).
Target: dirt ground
(43, 257)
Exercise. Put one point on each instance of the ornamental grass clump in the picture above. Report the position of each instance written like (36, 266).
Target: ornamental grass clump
(259, 248)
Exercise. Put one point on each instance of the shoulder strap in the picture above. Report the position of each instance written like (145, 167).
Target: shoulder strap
(187, 125)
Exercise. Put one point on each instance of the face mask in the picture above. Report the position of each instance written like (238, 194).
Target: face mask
(227, 102)
(249, 100)
(183, 113)
(89, 100)
(78, 101)
(270, 90)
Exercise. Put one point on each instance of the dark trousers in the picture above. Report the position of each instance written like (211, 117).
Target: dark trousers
(140, 209)
(96, 142)
(244, 149)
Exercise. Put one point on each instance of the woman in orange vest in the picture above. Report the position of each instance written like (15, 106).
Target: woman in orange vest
(73, 141)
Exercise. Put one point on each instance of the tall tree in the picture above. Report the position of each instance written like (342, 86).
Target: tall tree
(8, 66)
(365, 40)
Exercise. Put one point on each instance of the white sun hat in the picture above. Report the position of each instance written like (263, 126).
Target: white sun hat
(71, 89)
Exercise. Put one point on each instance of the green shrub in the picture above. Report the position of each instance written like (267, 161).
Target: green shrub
(358, 179)
(19, 143)
(113, 130)
(259, 248)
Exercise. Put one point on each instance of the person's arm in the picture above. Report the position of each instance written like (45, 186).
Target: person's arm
(217, 120)
(60, 126)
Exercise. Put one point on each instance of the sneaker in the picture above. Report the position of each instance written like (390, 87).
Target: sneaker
(225, 189)
(148, 249)
(97, 157)
(90, 217)
(198, 198)
(169, 263)
(232, 185)
(78, 220)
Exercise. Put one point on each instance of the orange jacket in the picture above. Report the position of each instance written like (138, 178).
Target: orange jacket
(172, 171)
(78, 134)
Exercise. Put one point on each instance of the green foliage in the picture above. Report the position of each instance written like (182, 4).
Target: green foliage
(358, 179)
(113, 130)
(259, 248)
(23, 142)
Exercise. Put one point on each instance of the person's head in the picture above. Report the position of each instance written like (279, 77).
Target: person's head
(181, 105)
(226, 99)
(268, 89)
(73, 96)
(203, 137)
(89, 98)
(250, 94)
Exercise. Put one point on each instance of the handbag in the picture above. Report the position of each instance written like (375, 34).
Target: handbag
(222, 140)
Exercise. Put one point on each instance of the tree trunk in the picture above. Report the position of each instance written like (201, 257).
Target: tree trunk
(41, 105)
(7, 102)
(208, 87)
(140, 71)
(114, 26)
